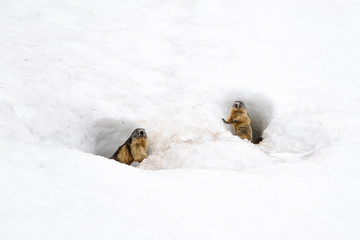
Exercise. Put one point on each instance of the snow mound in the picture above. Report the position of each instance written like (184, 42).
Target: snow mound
(229, 153)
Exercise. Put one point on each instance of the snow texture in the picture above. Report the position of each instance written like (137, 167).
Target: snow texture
(77, 77)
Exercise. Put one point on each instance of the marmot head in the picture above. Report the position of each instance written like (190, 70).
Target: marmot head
(239, 104)
(138, 133)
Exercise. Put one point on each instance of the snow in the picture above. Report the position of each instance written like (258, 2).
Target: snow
(77, 77)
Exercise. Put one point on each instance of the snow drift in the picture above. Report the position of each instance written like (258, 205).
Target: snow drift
(77, 77)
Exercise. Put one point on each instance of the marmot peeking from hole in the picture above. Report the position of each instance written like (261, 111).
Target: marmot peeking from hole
(134, 149)
(241, 120)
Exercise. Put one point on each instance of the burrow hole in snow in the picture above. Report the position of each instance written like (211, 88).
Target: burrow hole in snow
(109, 133)
(259, 108)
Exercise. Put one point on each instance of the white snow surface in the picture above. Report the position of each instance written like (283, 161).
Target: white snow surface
(77, 77)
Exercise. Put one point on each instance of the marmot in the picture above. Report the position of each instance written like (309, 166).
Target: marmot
(241, 120)
(134, 149)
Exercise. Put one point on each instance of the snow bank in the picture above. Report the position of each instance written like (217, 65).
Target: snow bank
(77, 77)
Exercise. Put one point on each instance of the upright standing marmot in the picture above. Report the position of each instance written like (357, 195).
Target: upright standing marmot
(134, 149)
(241, 120)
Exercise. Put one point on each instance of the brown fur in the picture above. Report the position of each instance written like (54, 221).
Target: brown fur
(134, 149)
(241, 121)
(138, 149)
